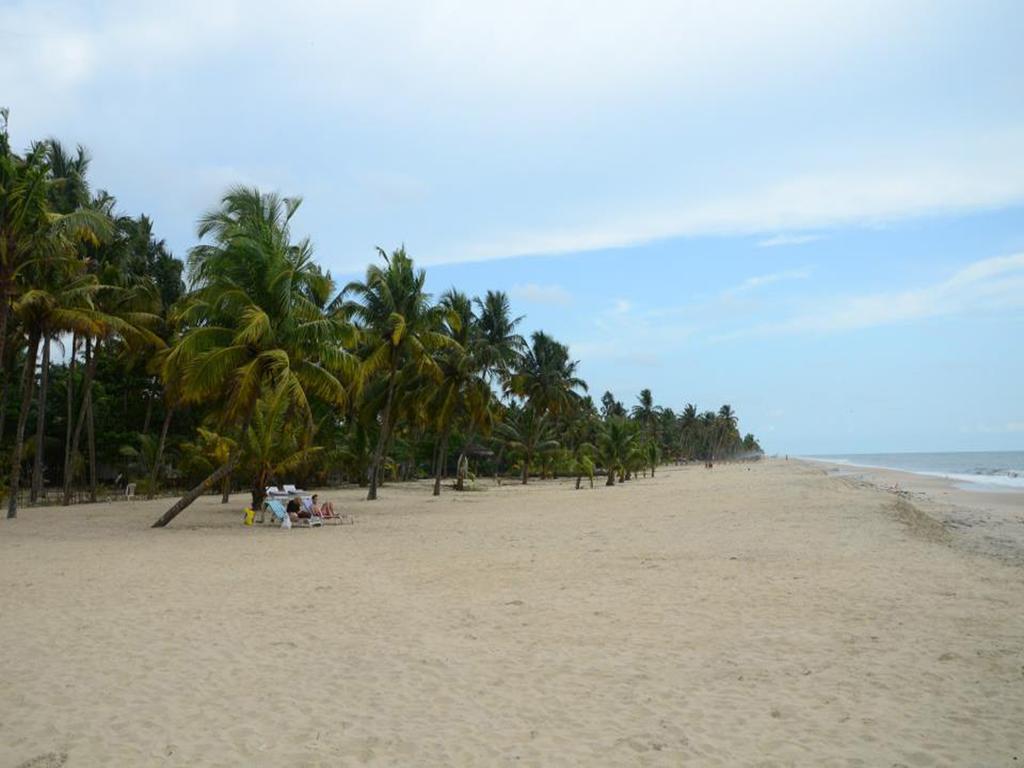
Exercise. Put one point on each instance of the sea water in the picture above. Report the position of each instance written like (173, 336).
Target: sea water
(981, 470)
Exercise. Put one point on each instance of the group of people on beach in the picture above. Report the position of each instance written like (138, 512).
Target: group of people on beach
(298, 511)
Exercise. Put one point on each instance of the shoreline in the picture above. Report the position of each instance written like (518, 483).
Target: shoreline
(984, 483)
(987, 521)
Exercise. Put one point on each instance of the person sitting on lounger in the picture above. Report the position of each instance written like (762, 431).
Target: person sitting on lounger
(323, 510)
(295, 510)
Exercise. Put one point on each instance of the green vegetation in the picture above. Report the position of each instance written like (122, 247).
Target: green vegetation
(261, 370)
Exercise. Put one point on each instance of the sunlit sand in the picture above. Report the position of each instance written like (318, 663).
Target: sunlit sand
(754, 614)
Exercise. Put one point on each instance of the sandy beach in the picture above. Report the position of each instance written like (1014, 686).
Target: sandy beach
(770, 614)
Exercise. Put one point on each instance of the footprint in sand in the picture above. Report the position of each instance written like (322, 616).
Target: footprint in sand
(49, 760)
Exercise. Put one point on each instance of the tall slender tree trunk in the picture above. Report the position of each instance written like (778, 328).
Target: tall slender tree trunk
(3, 399)
(71, 402)
(526, 468)
(154, 476)
(5, 310)
(462, 469)
(90, 428)
(382, 439)
(27, 381)
(38, 463)
(442, 458)
(497, 463)
(90, 373)
(225, 489)
(149, 414)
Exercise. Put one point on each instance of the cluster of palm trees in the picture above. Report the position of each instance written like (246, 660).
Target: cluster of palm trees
(269, 370)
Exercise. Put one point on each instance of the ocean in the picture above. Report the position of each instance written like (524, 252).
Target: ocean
(981, 470)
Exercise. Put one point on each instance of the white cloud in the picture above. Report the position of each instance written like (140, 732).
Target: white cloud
(534, 293)
(781, 240)
(760, 280)
(987, 285)
(988, 175)
(532, 50)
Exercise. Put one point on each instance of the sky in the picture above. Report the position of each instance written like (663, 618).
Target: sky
(813, 211)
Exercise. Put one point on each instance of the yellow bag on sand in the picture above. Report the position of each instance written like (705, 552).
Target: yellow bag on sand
(250, 515)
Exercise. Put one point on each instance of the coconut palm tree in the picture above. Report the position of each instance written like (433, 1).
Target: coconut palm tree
(529, 433)
(126, 316)
(546, 377)
(462, 394)
(252, 321)
(58, 303)
(400, 329)
(610, 407)
(275, 445)
(616, 446)
(35, 240)
(499, 346)
(645, 413)
(689, 427)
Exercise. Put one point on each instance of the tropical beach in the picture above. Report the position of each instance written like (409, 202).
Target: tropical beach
(766, 613)
(551, 383)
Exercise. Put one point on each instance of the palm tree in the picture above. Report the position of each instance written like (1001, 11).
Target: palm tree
(610, 407)
(126, 312)
(253, 322)
(66, 304)
(274, 445)
(527, 432)
(645, 412)
(688, 431)
(499, 346)
(462, 393)
(400, 328)
(616, 446)
(546, 377)
(38, 240)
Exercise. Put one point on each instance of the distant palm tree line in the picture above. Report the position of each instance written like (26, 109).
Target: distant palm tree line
(260, 369)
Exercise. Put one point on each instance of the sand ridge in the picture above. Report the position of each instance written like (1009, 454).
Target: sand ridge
(763, 614)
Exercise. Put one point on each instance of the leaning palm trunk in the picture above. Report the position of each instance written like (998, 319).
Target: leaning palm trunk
(27, 381)
(218, 475)
(90, 374)
(382, 439)
(154, 475)
(37, 465)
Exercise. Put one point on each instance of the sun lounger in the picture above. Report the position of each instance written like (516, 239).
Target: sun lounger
(325, 514)
(291, 489)
(277, 509)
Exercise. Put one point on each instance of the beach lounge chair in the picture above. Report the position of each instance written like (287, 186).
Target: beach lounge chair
(275, 492)
(279, 513)
(326, 514)
(292, 490)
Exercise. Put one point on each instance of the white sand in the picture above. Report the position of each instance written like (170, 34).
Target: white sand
(769, 615)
